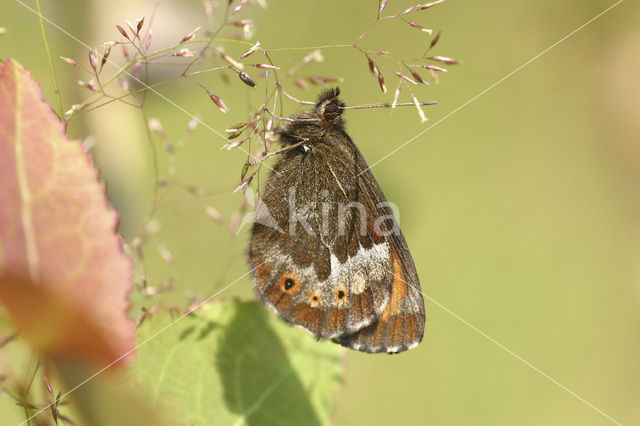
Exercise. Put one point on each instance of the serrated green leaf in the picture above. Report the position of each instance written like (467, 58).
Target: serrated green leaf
(234, 363)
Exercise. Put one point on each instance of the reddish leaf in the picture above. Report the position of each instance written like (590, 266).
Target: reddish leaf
(63, 277)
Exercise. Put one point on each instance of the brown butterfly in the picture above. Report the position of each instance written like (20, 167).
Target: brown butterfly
(327, 252)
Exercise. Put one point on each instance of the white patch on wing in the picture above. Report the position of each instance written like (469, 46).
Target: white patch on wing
(360, 324)
(413, 303)
(378, 269)
(358, 282)
(354, 275)
(413, 344)
(358, 270)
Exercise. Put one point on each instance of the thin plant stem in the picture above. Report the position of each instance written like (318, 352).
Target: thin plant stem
(50, 59)
(280, 151)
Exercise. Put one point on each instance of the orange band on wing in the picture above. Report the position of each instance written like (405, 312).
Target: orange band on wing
(398, 290)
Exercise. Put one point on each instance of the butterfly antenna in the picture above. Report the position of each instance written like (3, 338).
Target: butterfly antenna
(388, 105)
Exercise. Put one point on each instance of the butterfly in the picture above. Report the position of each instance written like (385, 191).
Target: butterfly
(326, 251)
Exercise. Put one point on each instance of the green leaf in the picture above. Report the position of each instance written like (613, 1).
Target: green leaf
(235, 363)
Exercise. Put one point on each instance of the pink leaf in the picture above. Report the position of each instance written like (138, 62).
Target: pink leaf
(63, 277)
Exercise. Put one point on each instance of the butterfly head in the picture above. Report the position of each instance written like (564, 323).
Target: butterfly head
(329, 107)
(311, 124)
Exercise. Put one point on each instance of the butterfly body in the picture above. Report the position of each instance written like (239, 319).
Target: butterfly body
(327, 252)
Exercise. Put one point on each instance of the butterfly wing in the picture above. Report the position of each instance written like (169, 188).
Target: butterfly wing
(400, 326)
(353, 281)
(328, 278)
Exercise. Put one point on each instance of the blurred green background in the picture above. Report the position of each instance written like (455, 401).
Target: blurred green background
(521, 209)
